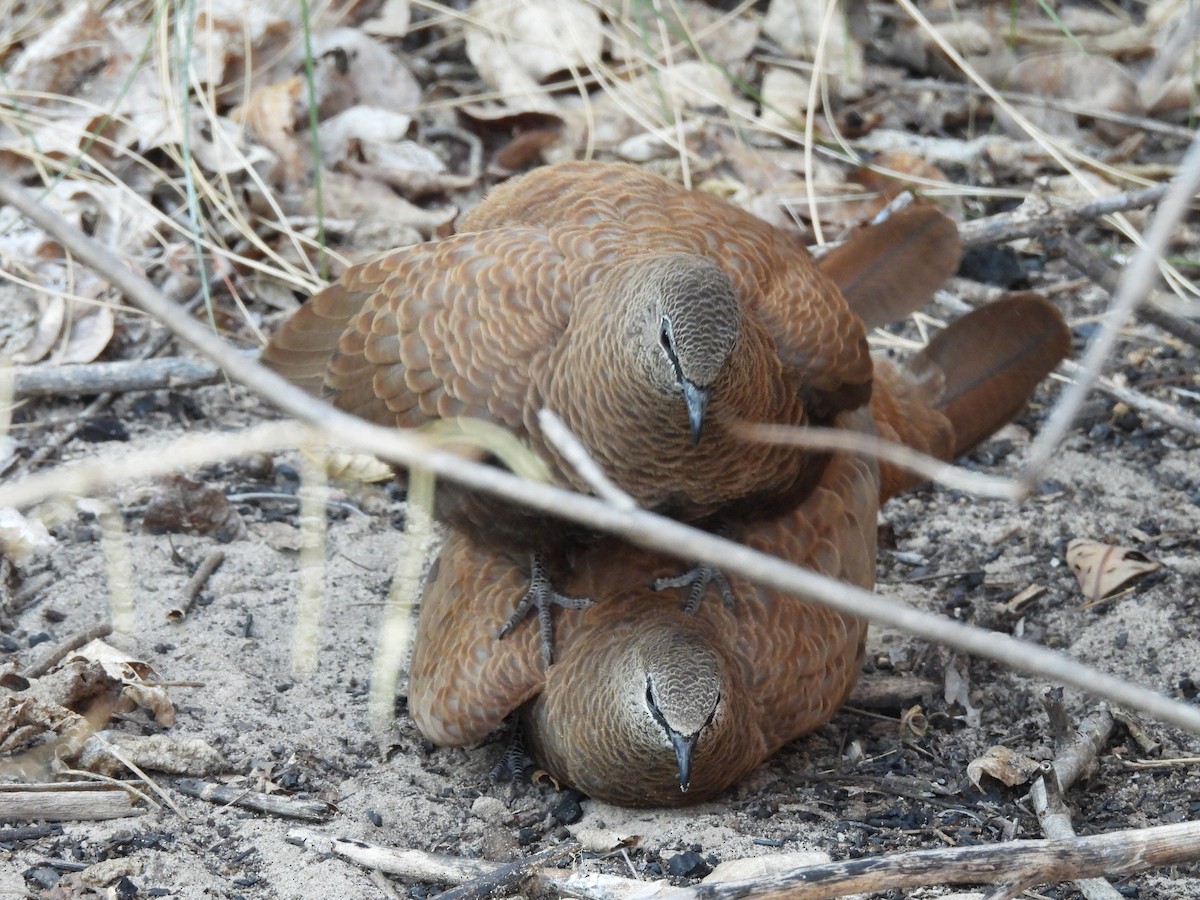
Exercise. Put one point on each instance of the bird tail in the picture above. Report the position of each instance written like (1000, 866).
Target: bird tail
(969, 381)
(300, 351)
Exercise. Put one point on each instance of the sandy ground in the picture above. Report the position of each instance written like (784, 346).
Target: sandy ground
(858, 786)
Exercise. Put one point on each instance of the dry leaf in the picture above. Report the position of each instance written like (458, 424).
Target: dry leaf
(22, 538)
(1006, 766)
(797, 25)
(391, 20)
(356, 70)
(107, 751)
(721, 38)
(1094, 82)
(51, 313)
(344, 466)
(89, 334)
(542, 37)
(57, 59)
(784, 98)
(1103, 569)
(180, 504)
(497, 65)
(132, 674)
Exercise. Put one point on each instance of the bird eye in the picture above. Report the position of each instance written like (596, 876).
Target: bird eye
(664, 334)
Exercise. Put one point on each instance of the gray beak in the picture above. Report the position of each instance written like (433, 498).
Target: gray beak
(697, 402)
(683, 753)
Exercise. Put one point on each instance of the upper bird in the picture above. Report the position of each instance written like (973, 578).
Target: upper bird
(651, 319)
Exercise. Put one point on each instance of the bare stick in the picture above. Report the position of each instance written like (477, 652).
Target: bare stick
(1073, 760)
(195, 585)
(898, 455)
(1156, 409)
(229, 795)
(442, 869)
(564, 441)
(65, 802)
(69, 645)
(1135, 283)
(508, 877)
(637, 526)
(416, 864)
(113, 377)
(1105, 276)
(72, 428)
(1032, 219)
(1010, 863)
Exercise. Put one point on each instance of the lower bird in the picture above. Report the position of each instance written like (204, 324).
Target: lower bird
(648, 705)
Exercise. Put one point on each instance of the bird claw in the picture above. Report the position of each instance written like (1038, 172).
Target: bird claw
(514, 763)
(698, 578)
(541, 597)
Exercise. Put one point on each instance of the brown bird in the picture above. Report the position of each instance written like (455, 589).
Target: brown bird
(651, 319)
(645, 699)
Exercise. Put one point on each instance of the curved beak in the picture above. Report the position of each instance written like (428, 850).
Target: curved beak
(684, 745)
(697, 403)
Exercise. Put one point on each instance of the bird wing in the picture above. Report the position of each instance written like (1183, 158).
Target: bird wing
(463, 681)
(461, 327)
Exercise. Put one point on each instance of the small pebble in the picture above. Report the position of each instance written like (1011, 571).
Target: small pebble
(688, 864)
(489, 809)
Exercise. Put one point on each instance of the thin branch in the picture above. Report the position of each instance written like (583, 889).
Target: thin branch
(1104, 275)
(1012, 862)
(1136, 282)
(1037, 216)
(1164, 412)
(1071, 763)
(898, 455)
(171, 372)
(637, 526)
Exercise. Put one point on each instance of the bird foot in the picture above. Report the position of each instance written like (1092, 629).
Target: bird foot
(514, 764)
(541, 597)
(698, 579)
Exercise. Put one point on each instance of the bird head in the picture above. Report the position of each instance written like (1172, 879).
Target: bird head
(687, 320)
(678, 682)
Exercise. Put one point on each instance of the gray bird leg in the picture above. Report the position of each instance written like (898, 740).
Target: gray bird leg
(541, 596)
(698, 578)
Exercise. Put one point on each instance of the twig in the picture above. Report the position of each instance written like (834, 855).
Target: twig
(507, 877)
(637, 526)
(1155, 409)
(1072, 761)
(195, 585)
(1036, 216)
(29, 833)
(564, 441)
(895, 454)
(63, 802)
(439, 868)
(113, 377)
(69, 645)
(415, 864)
(229, 795)
(1010, 863)
(1135, 283)
(925, 85)
(1095, 267)
(68, 432)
